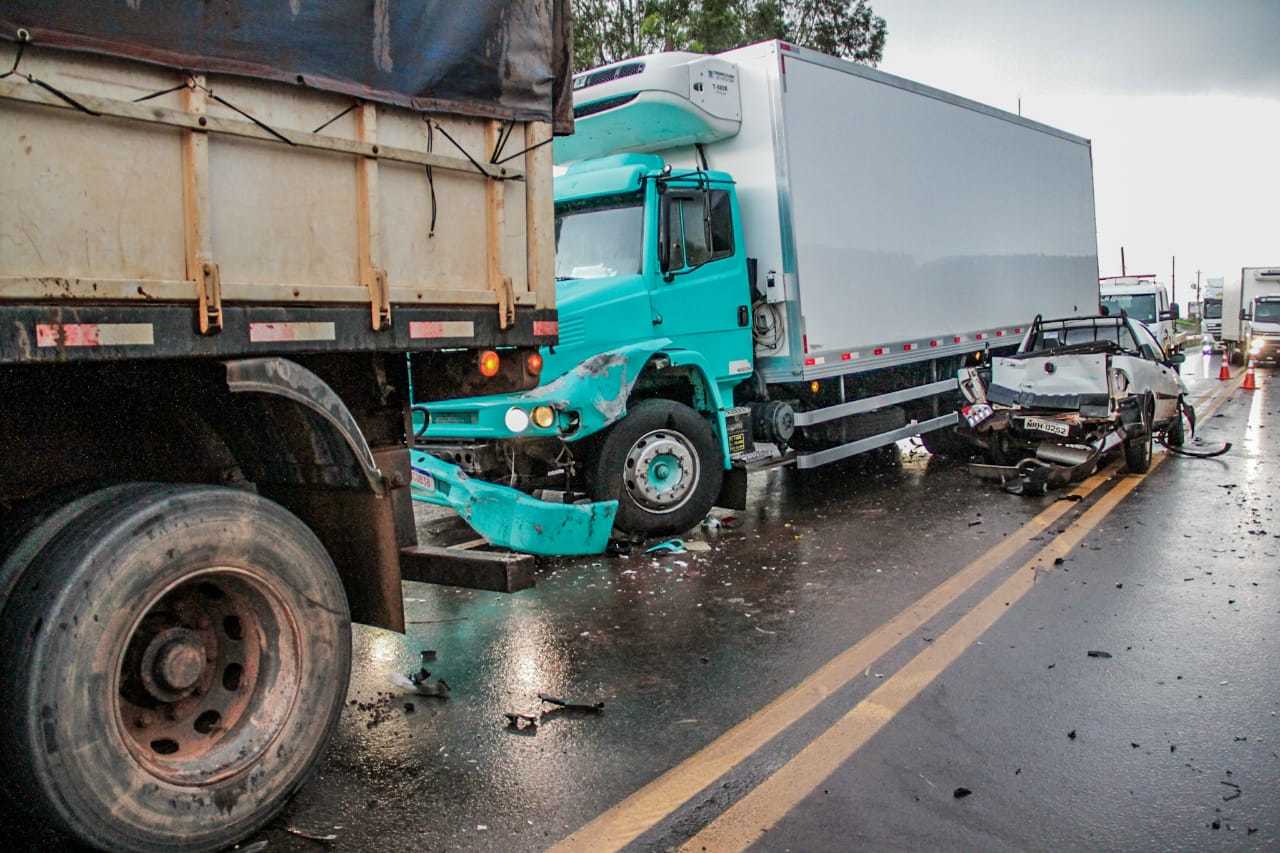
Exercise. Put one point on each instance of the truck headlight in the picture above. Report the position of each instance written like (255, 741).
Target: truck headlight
(544, 417)
(517, 420)
(1256, 345)
(1119, 381)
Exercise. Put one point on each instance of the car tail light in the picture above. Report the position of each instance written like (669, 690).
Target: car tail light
(489, 364)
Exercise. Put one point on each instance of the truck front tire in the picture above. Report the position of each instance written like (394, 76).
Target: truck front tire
(177, 659)
(663, 465)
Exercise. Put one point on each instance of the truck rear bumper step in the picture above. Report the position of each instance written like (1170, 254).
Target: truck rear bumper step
(467, 567)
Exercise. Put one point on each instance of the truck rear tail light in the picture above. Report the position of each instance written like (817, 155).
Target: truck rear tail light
(533, 363)
(999, 333)
(878, 351)
(810, 362)
(933, 343)
(979, 336)
(908, 347)
(957, 339)
(489, 364)
(846, 356)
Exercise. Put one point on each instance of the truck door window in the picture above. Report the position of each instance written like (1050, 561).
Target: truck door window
(703, 227)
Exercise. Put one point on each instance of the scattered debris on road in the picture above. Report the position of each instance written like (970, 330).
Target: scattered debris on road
(1099, 654)
(311, 836)
(961, 793)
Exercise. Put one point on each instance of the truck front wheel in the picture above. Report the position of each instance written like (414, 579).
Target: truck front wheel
(663, 465)
(177, 658)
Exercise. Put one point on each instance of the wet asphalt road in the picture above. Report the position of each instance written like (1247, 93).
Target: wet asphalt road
(1180, 583)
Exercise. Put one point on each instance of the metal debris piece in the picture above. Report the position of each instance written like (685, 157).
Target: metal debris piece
(961, 793)
(597, 708)
(522, 722)
(1099, 654)
(311, 836)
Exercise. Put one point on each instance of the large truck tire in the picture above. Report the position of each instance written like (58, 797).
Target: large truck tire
(663, 465)
(176, 658)
(1235, 354)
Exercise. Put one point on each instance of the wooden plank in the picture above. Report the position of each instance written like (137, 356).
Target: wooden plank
(27, 93)
(540, 214)
(202, 272)
(369, 232)
(495, 233)
(179, 290)
(489, 570)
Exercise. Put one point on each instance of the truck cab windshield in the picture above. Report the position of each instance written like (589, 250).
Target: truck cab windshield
(1139, 306)
(1213, 309)
(1266, 312)
(600, 238)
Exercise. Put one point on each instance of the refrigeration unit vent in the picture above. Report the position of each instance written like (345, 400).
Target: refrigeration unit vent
(656, 103)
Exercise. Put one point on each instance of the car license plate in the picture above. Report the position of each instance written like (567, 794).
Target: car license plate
(1051, 427)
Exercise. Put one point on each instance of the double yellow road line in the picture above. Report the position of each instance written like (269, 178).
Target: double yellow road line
(743, 823)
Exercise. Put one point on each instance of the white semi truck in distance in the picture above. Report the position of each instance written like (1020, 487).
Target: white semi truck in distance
(1251, 315)
(1144, 299)
(1211, 308)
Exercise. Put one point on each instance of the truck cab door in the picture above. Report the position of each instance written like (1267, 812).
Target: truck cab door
(701, 299)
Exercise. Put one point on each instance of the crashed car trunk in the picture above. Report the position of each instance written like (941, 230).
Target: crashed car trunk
(1076, 390)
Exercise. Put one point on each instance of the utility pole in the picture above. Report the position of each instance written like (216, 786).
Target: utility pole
(1122, 271)
(1173, 280)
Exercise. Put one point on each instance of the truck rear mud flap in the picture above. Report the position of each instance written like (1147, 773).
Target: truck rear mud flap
(509, 518)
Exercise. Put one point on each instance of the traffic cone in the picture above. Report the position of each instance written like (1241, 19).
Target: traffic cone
(1224, 372)
(1250, 383)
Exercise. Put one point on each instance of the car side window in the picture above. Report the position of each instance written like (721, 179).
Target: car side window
(1149, 345)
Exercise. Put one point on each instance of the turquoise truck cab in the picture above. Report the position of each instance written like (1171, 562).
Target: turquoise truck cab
(654, 334)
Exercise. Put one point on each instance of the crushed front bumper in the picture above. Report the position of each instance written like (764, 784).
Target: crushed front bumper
(509, 518)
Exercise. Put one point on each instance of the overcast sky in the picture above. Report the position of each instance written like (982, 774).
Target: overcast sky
(1181, 99)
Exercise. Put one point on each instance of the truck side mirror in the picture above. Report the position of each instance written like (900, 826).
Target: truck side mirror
(1175, 311)
(1244, 314)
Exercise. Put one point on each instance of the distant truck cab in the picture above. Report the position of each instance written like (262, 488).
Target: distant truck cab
(1251, 316)
(1144, 299)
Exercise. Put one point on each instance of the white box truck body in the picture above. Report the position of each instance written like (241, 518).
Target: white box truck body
(889, 215)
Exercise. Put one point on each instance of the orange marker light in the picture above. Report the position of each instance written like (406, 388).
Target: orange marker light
(489, 363)
(533, 363)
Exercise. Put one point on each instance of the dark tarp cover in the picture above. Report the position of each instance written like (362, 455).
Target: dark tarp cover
(505, 59)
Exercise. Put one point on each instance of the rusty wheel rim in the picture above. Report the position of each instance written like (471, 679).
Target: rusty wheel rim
(208, 676)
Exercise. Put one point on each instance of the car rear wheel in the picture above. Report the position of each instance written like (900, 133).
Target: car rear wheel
(1137, 450)
(178, 657)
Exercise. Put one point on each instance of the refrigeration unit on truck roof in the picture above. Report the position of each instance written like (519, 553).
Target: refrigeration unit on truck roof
(670, 99)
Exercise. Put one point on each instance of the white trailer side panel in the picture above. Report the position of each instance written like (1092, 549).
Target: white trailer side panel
(918, 218)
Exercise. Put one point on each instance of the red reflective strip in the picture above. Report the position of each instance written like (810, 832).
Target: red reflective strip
(979, 336)
(804, 339)
(846, 356)
(810, 362)
(68, 335)
(907, 347)
(999, 333)
(419, 329)
(933, 343)
(546, 328)
(878, 351)
(957, 339)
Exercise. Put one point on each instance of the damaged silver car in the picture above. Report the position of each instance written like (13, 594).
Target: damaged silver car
(1077, 389)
